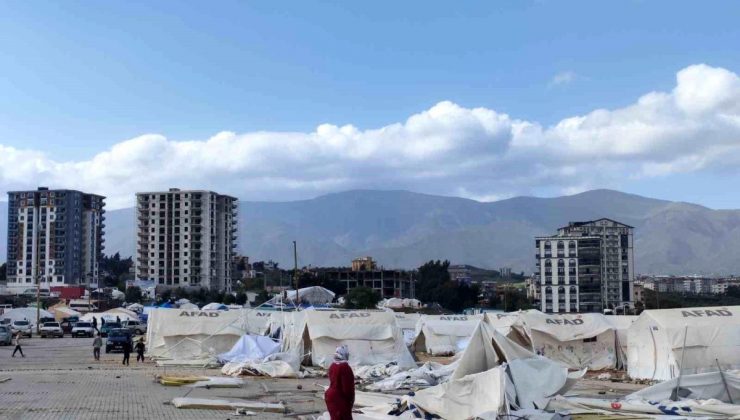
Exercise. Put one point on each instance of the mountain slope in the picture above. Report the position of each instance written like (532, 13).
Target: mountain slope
(405, 229)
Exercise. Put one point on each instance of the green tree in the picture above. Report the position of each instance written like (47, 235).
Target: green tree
(133, 294)
(241, 298)
(166, 295)
(3, 271)
(261, 297)
(228, 299)
(361, 298)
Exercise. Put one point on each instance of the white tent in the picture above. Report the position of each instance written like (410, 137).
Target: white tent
(215, 306)
(109, 316)
(314, 296)
(407, 324)
(250, 348)
(656, 342)
(577, 340)
(621, 325)
(136, 307)
(25, 314)
(372, 337)
(123, 312)
(193, 334)
(444, 334)
(188, 306)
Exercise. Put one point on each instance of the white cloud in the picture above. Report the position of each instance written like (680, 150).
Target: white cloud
(563, 78)
(447, 149)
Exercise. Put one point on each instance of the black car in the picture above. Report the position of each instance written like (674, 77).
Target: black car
(117, 337)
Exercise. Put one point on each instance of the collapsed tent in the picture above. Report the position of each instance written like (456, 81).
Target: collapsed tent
(26, 314)
(441, 335)
(192, 334)
(371, 337)
(663, 342)
(307, 296)
(250, 347)
(577, 340)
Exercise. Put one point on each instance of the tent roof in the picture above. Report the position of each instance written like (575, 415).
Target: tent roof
(564, 327)
(706, 316)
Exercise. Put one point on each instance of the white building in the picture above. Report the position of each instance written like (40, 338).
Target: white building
(186, 238)
(55, 237)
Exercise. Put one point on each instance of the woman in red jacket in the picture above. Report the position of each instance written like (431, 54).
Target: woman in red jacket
(340, 397)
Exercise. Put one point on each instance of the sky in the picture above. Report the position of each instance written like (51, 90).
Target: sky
(283, 101)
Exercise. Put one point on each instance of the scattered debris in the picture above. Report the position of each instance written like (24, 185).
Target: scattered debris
(213, 404)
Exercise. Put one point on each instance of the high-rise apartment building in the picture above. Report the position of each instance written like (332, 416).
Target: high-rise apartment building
(186, 238)
(54, 236)
(586, 267)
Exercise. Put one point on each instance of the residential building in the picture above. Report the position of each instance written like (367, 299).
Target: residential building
(460, 273)
(586, 267)
(389, 283)
(55, 237)
(364, 264)
(186, 238)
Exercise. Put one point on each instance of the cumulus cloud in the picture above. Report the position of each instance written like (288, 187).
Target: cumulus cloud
(447, 149)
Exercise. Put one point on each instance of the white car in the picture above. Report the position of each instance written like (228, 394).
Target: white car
(51, 329)
(136, 327)
(83, 329)
(24, 327)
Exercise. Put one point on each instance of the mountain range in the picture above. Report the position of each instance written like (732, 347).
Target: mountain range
(402, 229)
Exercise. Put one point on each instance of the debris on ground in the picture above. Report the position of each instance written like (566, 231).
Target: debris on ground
(214, 404)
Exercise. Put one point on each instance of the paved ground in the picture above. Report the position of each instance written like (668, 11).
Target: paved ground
(59, 379)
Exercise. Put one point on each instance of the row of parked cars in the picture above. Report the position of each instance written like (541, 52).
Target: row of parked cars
(49, 328)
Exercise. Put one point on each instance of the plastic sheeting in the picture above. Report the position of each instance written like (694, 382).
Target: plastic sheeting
(250, 348)
(656, 341)
(577, 340)
(700, 386)
(277, 365)
(444, 334)
(713, 409)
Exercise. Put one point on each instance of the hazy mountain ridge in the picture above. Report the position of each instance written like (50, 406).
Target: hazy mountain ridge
(404, 229)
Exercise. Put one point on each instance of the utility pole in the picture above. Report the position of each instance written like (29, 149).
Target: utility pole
(295, 273)
(38, 274)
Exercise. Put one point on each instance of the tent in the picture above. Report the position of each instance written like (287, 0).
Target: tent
(123, 313)
(213, 306)
(61, 311)
(577, 340)
(407, 324)
(250, 348)
(656, 342)
(136, 307)
(27, 314)
(195, 335)
(189, 306)
(621, 324)
(372, 337)
(108, 316)
(308, 296)
(444, 334)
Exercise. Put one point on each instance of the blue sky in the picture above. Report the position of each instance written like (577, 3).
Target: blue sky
(80, 77)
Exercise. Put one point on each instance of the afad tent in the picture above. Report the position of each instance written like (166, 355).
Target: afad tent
(187, 335)
(692, 340)
(444, 334)
(576, 340)
(25, 314)
(407, 324)
(307, 296)
(371, 337)
(621, 324)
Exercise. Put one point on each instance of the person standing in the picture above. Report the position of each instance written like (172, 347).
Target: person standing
(340, 396)
(126, 352)
(140, 350)
(17, 343)
(95, 324)
(97, 344)
(118, 319)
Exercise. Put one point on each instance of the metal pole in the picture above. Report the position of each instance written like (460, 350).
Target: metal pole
(724, 381)
(674, 395)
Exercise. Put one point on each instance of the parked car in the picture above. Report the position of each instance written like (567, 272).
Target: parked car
(51, 329)
(44, 319)
(83, 329)
(117, 337)
(136, 327)
(105, 329)
(6, 337)
(24, 327)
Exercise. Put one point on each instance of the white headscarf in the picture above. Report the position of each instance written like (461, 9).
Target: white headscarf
(341, 354)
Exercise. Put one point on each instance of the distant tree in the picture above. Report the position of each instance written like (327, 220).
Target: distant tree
(3, 271)
(214, 296)
(241, 298)
(733, 291)
(166, 295)
(361, 298)
(228, 299)
(262, 297)
(133, 294)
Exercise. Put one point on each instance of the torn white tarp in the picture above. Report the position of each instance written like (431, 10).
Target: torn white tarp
(713, 409)
(577, 340)
(429, 374)
(700, 386)
(444, 334)
(249, 348)
(466, 397)
(656, 342)
(277, 365)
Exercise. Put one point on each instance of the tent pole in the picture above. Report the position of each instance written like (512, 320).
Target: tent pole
(674, 395)
(724, 381)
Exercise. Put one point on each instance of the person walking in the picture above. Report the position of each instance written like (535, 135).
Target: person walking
(97, 344)
(95, 324)
(126, 352)
(140, 350)
(340, 396)
(17, 343)
(118, 319)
